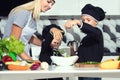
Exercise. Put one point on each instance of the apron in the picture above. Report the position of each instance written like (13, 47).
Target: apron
(27, 33)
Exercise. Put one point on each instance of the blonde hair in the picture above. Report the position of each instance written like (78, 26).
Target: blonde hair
(33, 6)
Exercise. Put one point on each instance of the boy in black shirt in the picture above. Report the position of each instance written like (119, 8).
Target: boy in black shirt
(91, 46)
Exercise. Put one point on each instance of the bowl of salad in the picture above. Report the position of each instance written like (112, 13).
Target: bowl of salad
(64, 61)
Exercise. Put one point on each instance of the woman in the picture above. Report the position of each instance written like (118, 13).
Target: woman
(22, 23)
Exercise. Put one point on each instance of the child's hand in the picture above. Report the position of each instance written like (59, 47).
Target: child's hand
(57, 34)
(70, 23)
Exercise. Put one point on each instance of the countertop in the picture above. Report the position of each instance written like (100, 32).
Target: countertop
(59, 71)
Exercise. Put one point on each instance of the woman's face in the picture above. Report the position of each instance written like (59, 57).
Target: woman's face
(46, 5)
(89, 20)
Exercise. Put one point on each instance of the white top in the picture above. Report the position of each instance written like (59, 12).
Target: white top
(24, 20)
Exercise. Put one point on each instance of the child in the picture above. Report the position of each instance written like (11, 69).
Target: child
(91, 46)
(50, 44)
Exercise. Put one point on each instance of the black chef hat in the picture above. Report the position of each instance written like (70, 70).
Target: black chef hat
(96, 12)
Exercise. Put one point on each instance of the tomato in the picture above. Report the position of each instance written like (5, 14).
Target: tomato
(7, 58)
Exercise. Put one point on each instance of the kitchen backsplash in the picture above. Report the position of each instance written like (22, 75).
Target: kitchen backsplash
(110, 28)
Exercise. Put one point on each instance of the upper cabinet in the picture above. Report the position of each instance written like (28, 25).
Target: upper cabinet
(73, 7)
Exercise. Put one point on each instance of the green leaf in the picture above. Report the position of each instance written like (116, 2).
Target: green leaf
(11, 45)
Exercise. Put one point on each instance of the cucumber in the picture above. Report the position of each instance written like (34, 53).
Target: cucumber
(90, 62)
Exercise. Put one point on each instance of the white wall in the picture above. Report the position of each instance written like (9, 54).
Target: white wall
(64, 7)
(73, 7)
(112, 7)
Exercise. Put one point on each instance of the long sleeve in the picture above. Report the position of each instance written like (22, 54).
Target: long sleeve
(91, 47)
(94, 35)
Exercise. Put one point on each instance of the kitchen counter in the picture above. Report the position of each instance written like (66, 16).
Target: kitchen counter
(59, 71)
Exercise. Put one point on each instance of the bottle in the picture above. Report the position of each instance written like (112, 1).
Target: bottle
(73, 46)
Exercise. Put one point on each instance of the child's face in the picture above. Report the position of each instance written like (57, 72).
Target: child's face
(55, 43)
(89, 20)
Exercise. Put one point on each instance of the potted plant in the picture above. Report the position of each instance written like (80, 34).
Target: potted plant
(11, 47)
